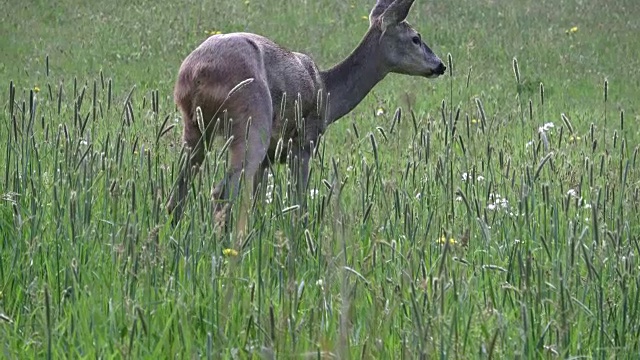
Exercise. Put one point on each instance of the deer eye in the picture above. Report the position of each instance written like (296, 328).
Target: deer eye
(416, 40)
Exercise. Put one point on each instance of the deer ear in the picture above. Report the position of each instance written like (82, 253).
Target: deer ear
(396, 12)
(378, 10)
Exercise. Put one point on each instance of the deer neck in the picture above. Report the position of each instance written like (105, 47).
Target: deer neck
(348, 82)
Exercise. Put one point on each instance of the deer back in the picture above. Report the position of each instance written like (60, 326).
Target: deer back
(213, 69)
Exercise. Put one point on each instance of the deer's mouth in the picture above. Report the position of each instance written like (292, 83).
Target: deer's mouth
(437, 71)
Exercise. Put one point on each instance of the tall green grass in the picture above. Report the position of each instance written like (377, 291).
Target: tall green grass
(491, 213)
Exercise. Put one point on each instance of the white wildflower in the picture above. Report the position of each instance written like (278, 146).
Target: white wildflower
(546, 127)
(504, 203)
(313, 193)
(269, 194)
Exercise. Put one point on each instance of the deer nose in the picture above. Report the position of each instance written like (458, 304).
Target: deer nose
(440, 69)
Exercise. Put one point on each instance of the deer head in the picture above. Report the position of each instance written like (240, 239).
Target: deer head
(401, 47)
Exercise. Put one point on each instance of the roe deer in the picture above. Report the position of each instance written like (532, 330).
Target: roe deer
(283, 95)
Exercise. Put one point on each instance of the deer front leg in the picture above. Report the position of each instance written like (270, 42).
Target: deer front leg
(259, 182)
(299, 165)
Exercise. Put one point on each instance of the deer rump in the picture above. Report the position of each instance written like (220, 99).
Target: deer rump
(286, 89)
(242, 83)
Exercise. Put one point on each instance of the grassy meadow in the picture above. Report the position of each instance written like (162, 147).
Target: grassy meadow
(494, 216)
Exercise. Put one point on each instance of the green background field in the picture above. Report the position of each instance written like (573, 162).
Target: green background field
(463, 230)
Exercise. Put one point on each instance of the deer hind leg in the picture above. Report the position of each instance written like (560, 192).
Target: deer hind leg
(248, 151)
(195, 149)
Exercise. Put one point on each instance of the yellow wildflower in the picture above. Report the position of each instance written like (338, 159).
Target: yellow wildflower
(573, 30)
(574, 138)
(474, 121)
(213, 32)
(365, 17)
(36, 89)
(230, 252)
(443, 240)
